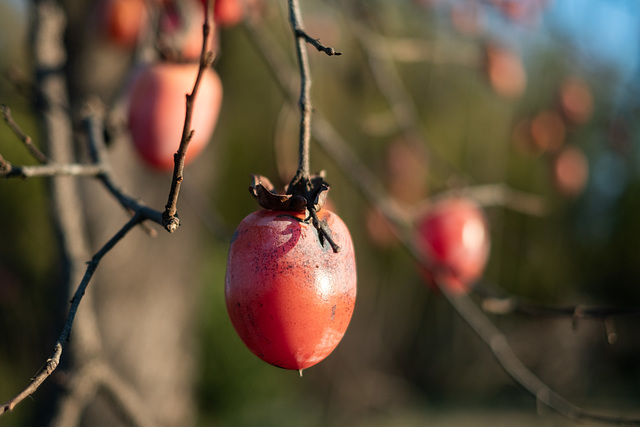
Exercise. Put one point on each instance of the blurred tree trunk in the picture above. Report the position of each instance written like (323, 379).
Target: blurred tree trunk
(138, 313)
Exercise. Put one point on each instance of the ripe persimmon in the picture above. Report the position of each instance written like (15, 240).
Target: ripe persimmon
(157, 107)
(122, 21)
(181, 30)
(228, 13)
(289, 296)
(570, 171)
(453, 235)
(505, 71)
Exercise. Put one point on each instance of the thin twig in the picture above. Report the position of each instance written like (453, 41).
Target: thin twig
(304, 102)
(324, 133)
(93, 123)
(513, 366)
(5, 166)
(21, 83)
(501, 304)
(54, 360)
(52, 169)
(47, 369)
(170, 214)
(47, 168)
(502, 195)
(316, 43)
(26, 139)
(98, 168)
(301, 182)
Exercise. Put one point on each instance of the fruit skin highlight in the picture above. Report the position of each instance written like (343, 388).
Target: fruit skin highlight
(289, 296)
(453, 235)
(157, 107)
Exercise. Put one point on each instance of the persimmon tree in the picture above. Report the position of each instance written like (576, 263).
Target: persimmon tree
(125, 353)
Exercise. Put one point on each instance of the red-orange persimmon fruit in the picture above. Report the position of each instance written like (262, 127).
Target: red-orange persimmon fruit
(576, 100)
(157, 107)
(505, 70)
(228, 13)
(181, 28)
(122, 21)
(454, 236)
(570, 171)
(290, 297)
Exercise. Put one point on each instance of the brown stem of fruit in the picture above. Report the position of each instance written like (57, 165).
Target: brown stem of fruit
(301, 184)
(301, 177)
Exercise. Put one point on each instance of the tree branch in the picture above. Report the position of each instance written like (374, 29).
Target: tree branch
(512, 365)
(93, 124)
(502, 195)
(302, 176)
(502, 304)
(170, 214)
(47, 369)
(99, 168)
(54, 360)
(300, 33)
(323, 132)
(51, 169)
(47, 168)
(26, 139)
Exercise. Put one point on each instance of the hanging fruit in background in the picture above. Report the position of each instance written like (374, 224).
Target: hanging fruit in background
(407, 171)
(505, 71)
(454, 237)
(379, 230)
(548, 131)
(228, 13)
(181, 33)
(570, 171)
(122, 21)
(157, 107)
(467, 18)
(576, 101)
